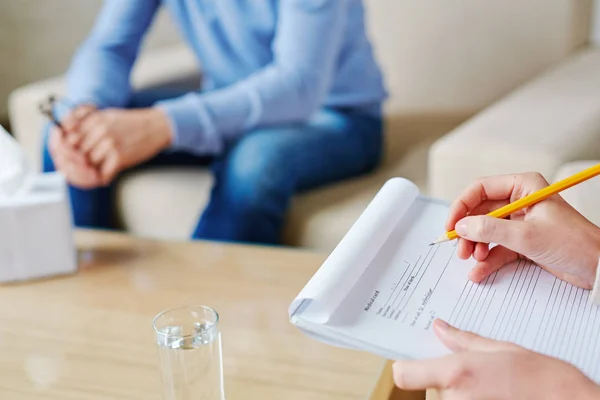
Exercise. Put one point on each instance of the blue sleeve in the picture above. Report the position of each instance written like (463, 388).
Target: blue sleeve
(101, 68)
(308, 38)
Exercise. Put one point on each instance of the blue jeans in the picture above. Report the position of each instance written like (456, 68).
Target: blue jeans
(256, 177)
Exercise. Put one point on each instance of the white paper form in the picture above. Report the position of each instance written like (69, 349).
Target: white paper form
(408, 284)
(342, 269)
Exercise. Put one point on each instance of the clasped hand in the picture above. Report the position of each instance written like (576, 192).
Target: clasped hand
(96, 145)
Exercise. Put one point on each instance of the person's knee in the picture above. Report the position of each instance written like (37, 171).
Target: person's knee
(256, 173)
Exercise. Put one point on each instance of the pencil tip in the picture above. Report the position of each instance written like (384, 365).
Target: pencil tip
(439, 240)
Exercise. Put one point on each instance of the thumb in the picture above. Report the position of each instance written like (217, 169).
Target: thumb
(514, 235)
(458, 340)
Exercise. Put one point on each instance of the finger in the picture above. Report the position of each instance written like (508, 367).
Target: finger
(83, 111)
(465, 249)
(55, 141)
(57, 151)
(92, 138)
(109, 168)
(59, 148)
(488, 188)
(488, 206)
(69, 122)
(68, 152)
(75, 117)
(90, 122)
(100, 151)
(73, 138)
(85, 128)
(459, 341)
(434, 373)
(73, 156)
(482, 250)
(72, 163)
(499, 256)
(81, 177)
(72, 124)
(519, 236)
(59, 161)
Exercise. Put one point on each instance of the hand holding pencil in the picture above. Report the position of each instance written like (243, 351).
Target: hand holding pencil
(549, 232)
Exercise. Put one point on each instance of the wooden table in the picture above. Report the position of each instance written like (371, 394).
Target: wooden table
(89, 336)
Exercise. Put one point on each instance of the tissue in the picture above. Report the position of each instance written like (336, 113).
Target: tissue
(36, 227)
(15, 171)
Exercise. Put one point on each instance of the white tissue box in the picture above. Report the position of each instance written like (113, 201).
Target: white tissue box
(36, 234)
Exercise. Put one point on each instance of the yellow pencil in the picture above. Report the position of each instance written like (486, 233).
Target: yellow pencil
(533, 198)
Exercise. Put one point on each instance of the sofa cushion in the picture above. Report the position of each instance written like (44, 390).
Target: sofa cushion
(166, 203)
(319, 219)
(163, 203)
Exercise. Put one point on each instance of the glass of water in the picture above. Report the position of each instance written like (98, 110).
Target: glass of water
(189, 351)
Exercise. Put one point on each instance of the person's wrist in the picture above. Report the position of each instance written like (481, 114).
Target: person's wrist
(161, 128)
(594, 271)
(595, 239)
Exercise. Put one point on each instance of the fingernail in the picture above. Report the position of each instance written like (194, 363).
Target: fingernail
(461, 228)
(474, 276)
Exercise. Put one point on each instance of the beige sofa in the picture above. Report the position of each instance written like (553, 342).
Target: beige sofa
(444, 63)
(550, 125)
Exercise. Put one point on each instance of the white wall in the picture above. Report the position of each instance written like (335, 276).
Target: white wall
(459, 56)
(441, 55)
(38, 38)
(595, 37)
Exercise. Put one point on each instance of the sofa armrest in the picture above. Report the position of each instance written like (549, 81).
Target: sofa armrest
(173, 66)
(552, 120)
(584, 196)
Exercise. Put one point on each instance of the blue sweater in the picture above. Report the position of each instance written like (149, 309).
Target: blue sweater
(264, 62)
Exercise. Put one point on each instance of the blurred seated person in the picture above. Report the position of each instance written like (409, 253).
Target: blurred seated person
(290, 100)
